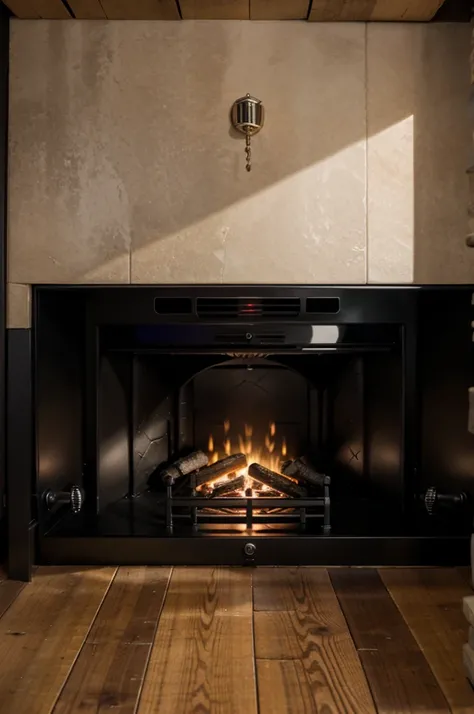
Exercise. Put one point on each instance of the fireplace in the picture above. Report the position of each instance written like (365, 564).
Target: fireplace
(266, 425)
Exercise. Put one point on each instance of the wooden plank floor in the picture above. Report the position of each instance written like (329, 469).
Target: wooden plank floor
(234, 641)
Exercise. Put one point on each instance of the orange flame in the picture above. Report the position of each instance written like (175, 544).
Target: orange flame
(268, 454)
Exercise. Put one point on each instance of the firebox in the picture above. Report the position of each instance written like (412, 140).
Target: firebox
(238, 424)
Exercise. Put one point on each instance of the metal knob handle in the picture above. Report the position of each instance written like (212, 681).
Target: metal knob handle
(74, 498)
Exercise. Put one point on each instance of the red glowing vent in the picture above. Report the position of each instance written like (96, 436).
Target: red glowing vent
(248, 308)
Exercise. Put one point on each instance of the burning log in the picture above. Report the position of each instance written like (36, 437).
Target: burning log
(214, 472)
(237, 483)
(305, 474)
(276, 481)
(184, 466)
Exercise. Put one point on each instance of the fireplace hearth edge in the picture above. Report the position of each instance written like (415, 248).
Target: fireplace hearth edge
(75, 327)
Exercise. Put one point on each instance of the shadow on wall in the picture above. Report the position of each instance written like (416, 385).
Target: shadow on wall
(120, 145)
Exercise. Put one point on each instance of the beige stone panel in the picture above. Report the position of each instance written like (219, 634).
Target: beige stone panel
(199, 217)
(18, 305)
(68, 212)
(121, 137)
(418, 148)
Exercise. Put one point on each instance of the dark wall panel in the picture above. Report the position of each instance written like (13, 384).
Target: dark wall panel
(4, 50)
(115, 379)
(59, 385)
(446, 371)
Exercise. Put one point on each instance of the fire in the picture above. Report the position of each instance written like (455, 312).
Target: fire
(270, 453)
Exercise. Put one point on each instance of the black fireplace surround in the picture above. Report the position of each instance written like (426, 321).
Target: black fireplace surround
(367, 385)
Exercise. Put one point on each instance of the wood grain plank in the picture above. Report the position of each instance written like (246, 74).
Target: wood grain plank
(130, 610)
(42, 633)
(399, 675)
(45, 9)
(110, 669)
(215, 9)
(374, 10)
(279, 9)
(140, 9)
(87, 9)
(9, 591)
(202, 657)
(430, 601)
(304, 622)
(283, 688)
(23, 9)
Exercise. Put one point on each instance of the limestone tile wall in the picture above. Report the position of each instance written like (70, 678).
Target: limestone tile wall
(18, 305)
(123, 166)
(418, 153)
(120, 141)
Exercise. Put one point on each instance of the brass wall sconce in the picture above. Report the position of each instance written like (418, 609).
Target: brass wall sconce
(248, 116)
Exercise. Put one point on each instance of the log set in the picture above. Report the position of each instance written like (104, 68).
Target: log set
(300, 470)
(276, 481)
(236, 483)
(184, 466)
(214, 472)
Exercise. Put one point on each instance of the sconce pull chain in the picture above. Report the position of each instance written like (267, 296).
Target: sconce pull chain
(248, 151)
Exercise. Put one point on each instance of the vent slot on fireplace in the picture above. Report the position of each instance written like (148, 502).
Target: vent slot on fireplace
(248, 307)
(322, 305)
(173, 306)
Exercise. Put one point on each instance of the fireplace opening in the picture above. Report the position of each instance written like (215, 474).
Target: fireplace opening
(232, 430)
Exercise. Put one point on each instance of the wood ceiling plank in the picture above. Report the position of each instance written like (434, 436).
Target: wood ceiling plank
(279, 9)
(140, 9)
(23, 9)
(297, 618)
(35, 9)
(215, 9)
(373, 10)
(400, 678)
(202, 656)
(87, 9)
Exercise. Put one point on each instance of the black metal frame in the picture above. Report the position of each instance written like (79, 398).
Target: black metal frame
(4, 68)
(124, 306)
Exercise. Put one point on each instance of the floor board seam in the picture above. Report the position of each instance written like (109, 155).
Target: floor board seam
(80, 649)
(420, 647)
(369, 685)
(254, 649)
(152, 643)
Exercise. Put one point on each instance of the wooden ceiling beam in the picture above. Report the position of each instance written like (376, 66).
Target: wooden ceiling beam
(279, 9)
(38, 9)
(215, 9)
(374, 10)
(140, 9)
(87, 9)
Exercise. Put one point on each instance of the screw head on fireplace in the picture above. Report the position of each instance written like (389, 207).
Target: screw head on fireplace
(250, 549)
